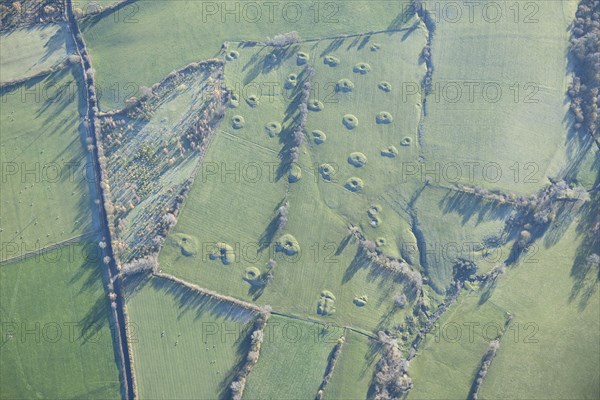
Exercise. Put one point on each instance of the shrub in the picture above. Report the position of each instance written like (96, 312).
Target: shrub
(406, 141)
(145, 264)
(400, 300)
(74, 59)
(391, 379)
(282, 217)
(283, 39)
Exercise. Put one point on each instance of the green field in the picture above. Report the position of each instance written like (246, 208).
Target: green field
(456, 225)
(354, 369)
(44, 196)
(27, 52)
(554, 324)
(450, 357)
(203, 342)
(56, 337)
(292, 361)
(513, 125)
(562, 314)
(124, 44)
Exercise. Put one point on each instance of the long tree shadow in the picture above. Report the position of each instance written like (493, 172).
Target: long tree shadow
(243, 345)
(266, 238)
(585, 270)
(359, 261)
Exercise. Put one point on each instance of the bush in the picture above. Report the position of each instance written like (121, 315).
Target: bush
(400, 300)
(283, 39)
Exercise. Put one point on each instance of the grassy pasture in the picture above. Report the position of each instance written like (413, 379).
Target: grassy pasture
(44, 194)
(124, 44)
(556, 355)
(514, 123)
(381, 174)
(26, 52)
(218, 210)
(451, 354)
(354, 370)
(292, 361)
(203, 343)
(56, 337)
(455, 225)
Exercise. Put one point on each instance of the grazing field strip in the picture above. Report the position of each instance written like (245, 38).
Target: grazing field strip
(46, 249)
(187, 344)
(293, 357)
(315, 321)
(32, 53)
(56, 328)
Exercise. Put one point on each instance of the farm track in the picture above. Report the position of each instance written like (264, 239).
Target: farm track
(118, 313)
(46, 249)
